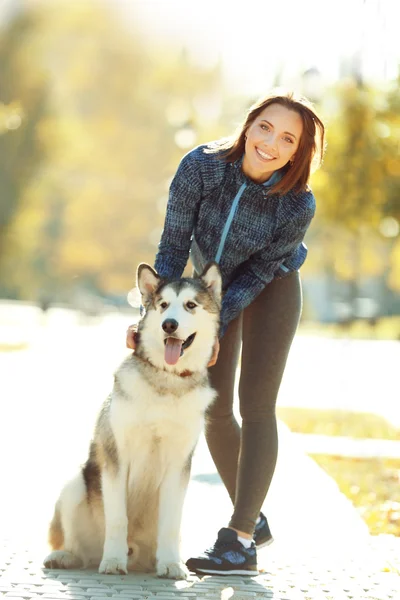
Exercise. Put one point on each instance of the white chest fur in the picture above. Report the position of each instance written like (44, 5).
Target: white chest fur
(144, 418)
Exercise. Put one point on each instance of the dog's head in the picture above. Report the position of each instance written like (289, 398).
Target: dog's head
(181, 322)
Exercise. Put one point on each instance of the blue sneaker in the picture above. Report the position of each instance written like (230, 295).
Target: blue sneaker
(262, 534)
(227, 557)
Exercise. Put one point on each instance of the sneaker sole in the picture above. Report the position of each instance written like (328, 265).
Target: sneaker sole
(265, 544)
(232, 572)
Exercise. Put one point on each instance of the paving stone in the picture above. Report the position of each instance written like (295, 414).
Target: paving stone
(72, 596)
(139, 593)
(287, 578)
(142, 594)
(258, 587)
(53, 595)
(154, 596)
(126, 586)
(45, 589)
(20, 592)
(98, 587)
(86, 592)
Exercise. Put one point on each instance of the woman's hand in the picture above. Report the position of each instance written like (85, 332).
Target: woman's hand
(131, 337)
(215, 353)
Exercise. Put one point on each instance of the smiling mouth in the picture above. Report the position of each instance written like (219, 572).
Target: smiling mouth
(264, 155)
(175, 347)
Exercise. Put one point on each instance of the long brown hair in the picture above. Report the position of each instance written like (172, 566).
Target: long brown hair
(309, 154)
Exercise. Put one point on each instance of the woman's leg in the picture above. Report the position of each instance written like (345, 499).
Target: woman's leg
(269, 325)
(222, 430)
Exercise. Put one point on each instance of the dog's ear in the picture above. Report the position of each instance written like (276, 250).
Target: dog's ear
(147, 279)
(212, 278)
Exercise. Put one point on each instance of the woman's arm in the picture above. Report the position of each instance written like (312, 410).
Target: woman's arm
(261, 268)
(184, 199)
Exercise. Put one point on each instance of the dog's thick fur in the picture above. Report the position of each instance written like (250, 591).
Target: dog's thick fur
(123, 510)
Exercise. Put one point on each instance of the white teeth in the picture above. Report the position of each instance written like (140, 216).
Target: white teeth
(264, 154)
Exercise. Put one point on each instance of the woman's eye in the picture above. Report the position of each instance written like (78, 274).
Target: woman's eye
(287, 139)
(265, 127)
(164, 305)
(191, 305)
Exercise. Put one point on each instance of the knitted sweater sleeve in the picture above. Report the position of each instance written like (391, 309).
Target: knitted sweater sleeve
(262, 267)
(184, 199)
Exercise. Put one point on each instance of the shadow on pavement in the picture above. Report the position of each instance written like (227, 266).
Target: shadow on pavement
(211, 478)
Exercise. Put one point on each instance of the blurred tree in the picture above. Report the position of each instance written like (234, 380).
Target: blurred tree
(123, 113)
(389, 115)
(390, 225)
(23, 104)
(354, 187)
(353, 177)
(123, 117)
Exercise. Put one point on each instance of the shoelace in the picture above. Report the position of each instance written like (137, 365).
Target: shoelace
(218, 544)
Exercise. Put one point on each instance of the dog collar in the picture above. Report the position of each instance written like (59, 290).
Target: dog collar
(186, 373)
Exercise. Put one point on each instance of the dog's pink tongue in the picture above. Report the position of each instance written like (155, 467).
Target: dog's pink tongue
(172, 350)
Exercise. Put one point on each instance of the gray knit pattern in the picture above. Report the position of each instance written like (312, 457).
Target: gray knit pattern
(265, 240)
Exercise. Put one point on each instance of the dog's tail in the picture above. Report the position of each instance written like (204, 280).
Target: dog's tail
(56, 533)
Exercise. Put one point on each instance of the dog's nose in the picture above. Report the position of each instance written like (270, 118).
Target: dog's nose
(170, 325)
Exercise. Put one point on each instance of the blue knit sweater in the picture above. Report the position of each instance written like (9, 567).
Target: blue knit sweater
(265, 238)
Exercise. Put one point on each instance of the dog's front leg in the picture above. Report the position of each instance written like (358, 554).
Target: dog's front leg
(172, 494)
(115, 552)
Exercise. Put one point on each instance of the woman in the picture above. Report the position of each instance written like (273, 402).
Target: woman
(245, 202)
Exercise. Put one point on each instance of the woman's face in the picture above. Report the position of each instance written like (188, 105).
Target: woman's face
(272, 140)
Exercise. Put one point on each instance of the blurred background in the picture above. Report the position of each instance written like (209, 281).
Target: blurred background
(99, 101)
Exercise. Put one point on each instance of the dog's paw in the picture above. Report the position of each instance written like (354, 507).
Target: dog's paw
(117, 566)
(61, 559)
(172, 570)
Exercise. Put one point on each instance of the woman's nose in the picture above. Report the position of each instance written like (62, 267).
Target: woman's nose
(271, 143)
(270, 139)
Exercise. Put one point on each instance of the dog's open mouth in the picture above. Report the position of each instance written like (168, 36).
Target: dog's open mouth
(174, 348)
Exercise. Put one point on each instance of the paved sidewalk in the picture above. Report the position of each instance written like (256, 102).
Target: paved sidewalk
(322, 549)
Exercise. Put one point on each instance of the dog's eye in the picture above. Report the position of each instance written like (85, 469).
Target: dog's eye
(164, 305)
(191, 305)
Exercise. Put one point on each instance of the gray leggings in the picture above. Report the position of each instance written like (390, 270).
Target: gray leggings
(246, 458)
